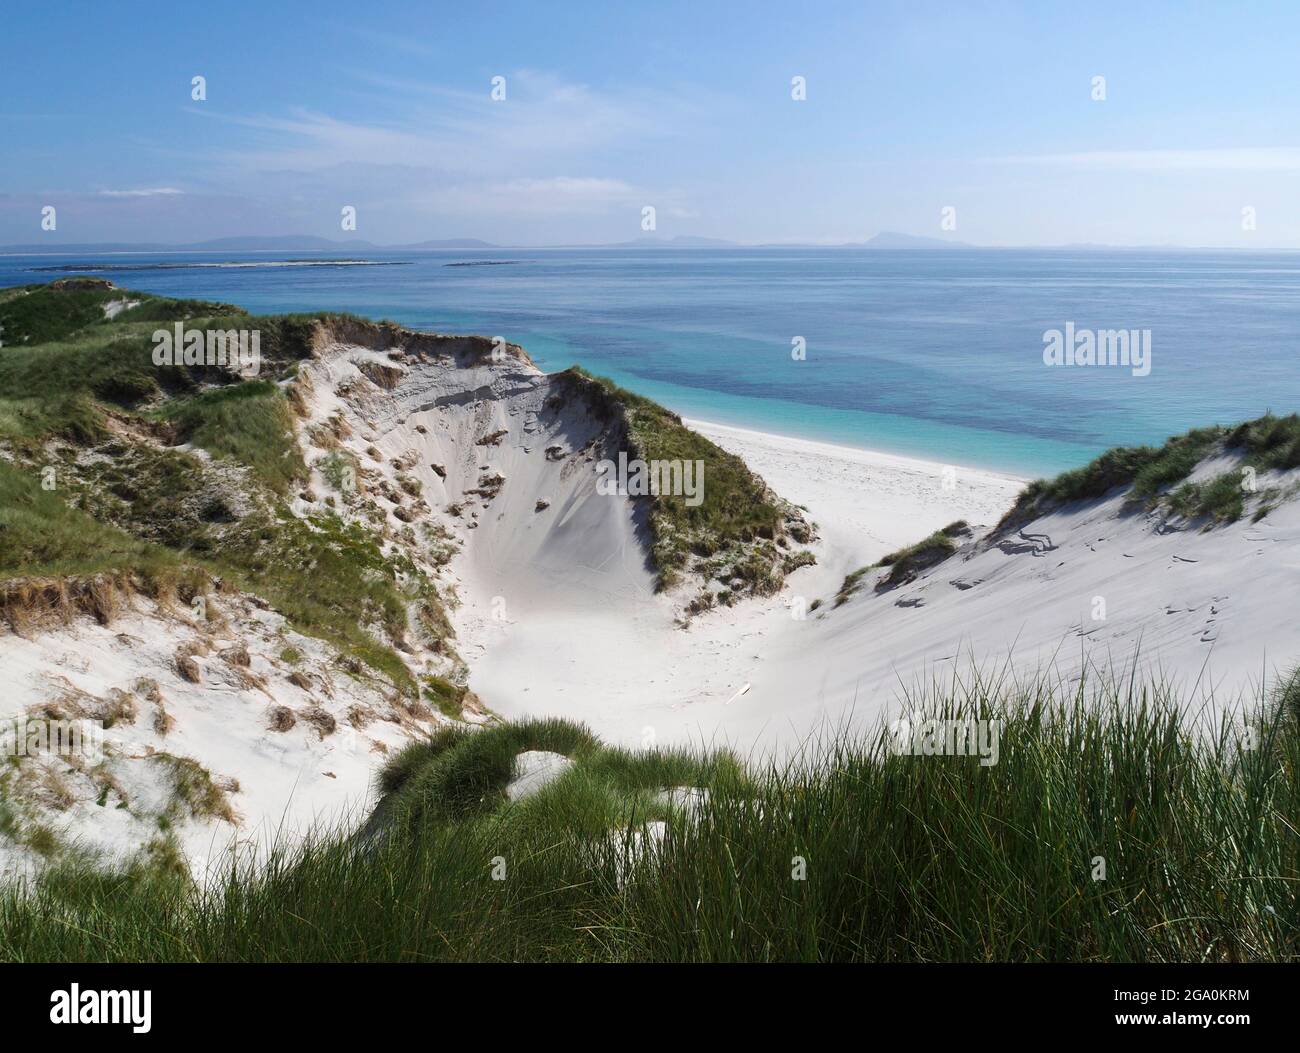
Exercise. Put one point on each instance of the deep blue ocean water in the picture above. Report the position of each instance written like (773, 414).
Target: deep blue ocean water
(933, 354)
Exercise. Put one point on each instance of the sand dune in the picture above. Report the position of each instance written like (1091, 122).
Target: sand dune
(554, 605)
(559, 615)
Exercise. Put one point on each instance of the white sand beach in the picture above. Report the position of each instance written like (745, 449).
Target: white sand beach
(868, 502)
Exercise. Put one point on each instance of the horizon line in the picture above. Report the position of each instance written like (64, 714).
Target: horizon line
(878, 242)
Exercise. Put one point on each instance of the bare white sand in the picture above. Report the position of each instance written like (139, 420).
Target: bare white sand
(278, 782)
(867, 502)
(622, 664)
(1101, 588)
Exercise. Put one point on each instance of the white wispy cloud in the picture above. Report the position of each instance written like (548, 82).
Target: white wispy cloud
(545, 127)
(1251, 159)
(155, 191)
(556, 195)
(546, 151)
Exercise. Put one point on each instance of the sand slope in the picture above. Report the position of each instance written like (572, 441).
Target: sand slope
(284, 744)
(559, 616)
(1212, 610)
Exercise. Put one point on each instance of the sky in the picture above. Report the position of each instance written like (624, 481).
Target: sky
(983, 114)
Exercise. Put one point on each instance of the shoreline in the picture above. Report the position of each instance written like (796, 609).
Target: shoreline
(866, 502)
(858, 454)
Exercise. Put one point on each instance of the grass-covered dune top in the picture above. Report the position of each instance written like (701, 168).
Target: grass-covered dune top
(41, 314)
(905, 564)
(99, 486)
(740, 537)
(1155, 474)
(1108, 829)
(464, 348)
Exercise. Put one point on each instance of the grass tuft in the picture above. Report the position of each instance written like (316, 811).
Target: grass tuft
(249, 423)
(907, 563)
(854, 852)
(1153, 474)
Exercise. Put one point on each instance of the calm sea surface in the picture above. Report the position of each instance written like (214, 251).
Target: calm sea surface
(933, 354)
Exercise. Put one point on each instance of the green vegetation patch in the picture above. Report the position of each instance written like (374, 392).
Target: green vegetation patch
(36, 314)
(194, 791)
(164, 309)
(1269, 442)
(1266, 443)
(1146, 469)
(1220, 499)
(907, 563)
(447, 697)
(330, 578)
(249, 423)
(857, 852)
(41, 535)
(460, 773)
(850, 585)
(739, 522)
(64, 388)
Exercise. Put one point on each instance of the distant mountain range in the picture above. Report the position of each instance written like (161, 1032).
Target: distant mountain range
(311, 243)
(886, 239)
(682, 241)
(890, 239)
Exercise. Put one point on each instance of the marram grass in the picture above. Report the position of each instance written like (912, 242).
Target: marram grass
(848, 852)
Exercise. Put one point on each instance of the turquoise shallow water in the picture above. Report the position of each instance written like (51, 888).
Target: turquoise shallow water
(931, 354)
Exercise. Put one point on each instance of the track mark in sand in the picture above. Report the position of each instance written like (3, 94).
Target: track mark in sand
(743, 691)
(1211, 631)
(1042, 542)
(1034, 544)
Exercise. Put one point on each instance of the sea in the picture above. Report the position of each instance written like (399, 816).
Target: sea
(932, 354)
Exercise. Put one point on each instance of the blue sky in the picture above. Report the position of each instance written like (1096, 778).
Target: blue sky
(911, 108)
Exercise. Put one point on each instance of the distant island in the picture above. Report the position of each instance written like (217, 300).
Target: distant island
(82, 268)
(286, 243)
(892, 240)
